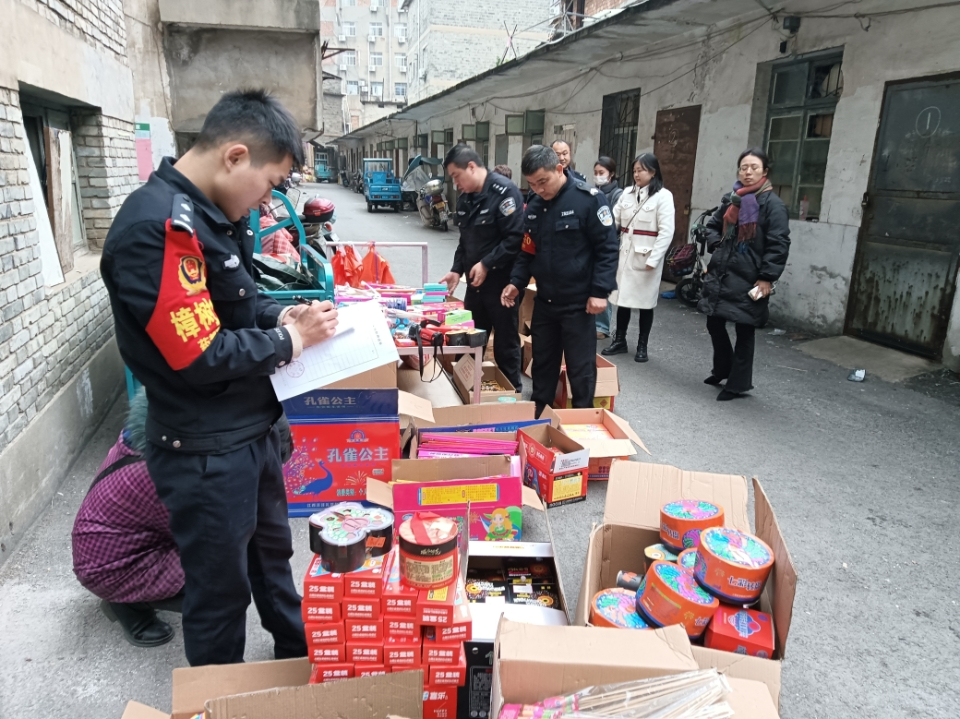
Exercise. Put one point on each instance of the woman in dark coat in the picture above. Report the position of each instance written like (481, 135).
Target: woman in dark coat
(749, 236)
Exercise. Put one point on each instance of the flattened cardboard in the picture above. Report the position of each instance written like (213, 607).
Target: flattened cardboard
(750, 700)
(399, 694)
(740, 666)
(782, 584)
(136, 710)
(534, 662)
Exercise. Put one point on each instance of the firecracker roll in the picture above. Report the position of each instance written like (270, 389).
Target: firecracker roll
(616, 608)
(629, 580)
(428, 550)
(733, 565)
(687, 559)
(671, 595)
(682, 521)
(345, 534)
(658, 552)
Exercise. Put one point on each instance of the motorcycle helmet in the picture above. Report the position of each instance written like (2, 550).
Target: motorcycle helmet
(318, 209)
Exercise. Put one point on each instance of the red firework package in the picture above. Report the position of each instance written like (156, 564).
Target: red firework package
(398, 598)
(319, 634)
(364, 630)
(366, 581)
(448, 674)
(365, 652)
(327, 654)
(742, 631)
(435, 652)
(320, 612)
(439, 702)
(354, 608)
(330, 673)
(400, 627)
(321, 585)
(403, 653)
(371, 670)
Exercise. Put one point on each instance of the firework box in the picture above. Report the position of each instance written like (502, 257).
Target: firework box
(631, 521)
(443, 607)
(448, 674)
(364, 630)
(341, 438)
(439, 702)
(320, 634)
(534, 662)
(604, 394)
(321, 612)
(743, 631)
(554, 465)
(368, 652)
(620, 444)
(399, 602)
(490, 417)
(463, 381)
(443, 486)
(327, 654)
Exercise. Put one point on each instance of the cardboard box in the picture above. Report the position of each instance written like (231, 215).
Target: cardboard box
(439, 393)
(448, 674)
(281, 688)
(383, 377)
(605, 394)
(554, 465)
(365, 652)
(536, 662)
(439, 702)
(399, 601)
(632, 519)
(320, 634)
(320, 584)
(370, 670)
(366, 582)
(363, 630)
(526, 354)
(438, 485)
(435, 652)
(494, 417)
(341, 437)
(323, 673)
(602, 451)
(435, 607)
(463, 381)
(525, 312)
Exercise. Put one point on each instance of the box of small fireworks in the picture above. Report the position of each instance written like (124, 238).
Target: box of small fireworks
(436, 652)
(443, 607)
(439, 702)
(370, 670)
(494, 385)
(342, 437)
(448, 674)
(327, 654)
(493, 417)
(604, 394)
(363, 630)
(320, 634)
(366, 652)
(606, 435)
(322, 673)
(554, 465)
(399, 601)
(402, 654)
(321, 612)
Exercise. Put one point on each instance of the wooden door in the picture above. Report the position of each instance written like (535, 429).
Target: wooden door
(675, 145)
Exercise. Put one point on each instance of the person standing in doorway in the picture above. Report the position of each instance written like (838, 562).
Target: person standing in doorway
(749, 238)
(605, 180)
(570, 246)
(645, 216)
(490, 218)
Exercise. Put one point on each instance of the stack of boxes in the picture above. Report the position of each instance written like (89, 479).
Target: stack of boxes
(368, 622)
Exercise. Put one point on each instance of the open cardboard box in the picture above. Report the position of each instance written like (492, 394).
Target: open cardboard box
(554, 465)
(494, 417)
(602, 451)
(525, 311)
(526, 354)
(279, 690)
(463, 381)
(383, 377)
(631, 521)
(496, 436)
(605, 392)
(536, 662)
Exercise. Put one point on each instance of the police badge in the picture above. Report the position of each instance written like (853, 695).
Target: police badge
(605, 216)
(508, 207)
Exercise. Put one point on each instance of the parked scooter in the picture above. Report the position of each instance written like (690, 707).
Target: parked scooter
(694, 266)
(423, 181)
(318, 217)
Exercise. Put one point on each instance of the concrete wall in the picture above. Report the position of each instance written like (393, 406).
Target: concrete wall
(206, 63)
(814, 289)
(293, 15)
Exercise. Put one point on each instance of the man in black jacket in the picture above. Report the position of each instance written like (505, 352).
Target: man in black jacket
(570, 246)
(490, 218)
(191, 326)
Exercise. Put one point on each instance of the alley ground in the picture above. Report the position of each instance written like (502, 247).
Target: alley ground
(863, 478)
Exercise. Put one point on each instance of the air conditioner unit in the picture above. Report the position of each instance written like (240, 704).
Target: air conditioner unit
(342, 38)
(363, 85)
(402, 39)
(373, 38)
(374, 68)
(342, 68)
(423, 74)
(402, 70)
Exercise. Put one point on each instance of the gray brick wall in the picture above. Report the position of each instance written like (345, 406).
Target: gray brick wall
(98, 22)
(46, 336)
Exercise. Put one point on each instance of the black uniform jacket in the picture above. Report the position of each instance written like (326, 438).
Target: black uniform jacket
(570, 247)
(732, 273)
(190, 323)
(491, 227)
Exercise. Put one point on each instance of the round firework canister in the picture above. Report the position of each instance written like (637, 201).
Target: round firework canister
(670, 595)
(733, 565)
(687, 559)
(682, 521)
(658, 552)
(428, 550)
(629, 580)
(346, 534)
(616, 608)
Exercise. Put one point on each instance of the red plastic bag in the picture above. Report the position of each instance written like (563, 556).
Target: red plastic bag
(347, 267)
(376, 269)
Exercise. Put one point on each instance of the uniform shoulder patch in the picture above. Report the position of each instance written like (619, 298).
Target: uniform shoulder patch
(508, 207)
(605, 216)
(581, 185)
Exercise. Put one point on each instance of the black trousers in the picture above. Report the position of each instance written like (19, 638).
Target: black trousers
(623, 322)
(228, 514)
(557, 332)
(733, 365)
(490, 314)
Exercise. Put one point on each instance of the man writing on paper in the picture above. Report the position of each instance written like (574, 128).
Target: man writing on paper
(193, 329)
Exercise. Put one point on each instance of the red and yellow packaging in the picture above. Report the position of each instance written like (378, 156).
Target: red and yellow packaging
(366, 582)
(327, 654)
(363, 630)
(428, 550)
(681, 522)
(320, 585)
(436, 606)
(398, 598)
(733, 565)
(371, 670)
(435, 652)
(671, 595)
(365, 652)
(742, 631)
(402, 652)
(320, 612)
(439, 702)
(400, 627)
(330, 673)
(354, 608)
(448, 674)
(319, 634)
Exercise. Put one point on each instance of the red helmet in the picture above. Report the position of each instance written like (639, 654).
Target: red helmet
(318, 209)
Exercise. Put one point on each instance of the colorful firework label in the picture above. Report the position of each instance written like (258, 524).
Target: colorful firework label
(683, 583)
(744, 624)
(691, 509)
(617, 607)
(736, 547)
(350, 522)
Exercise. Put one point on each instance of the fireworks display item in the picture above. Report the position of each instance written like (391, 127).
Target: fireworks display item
(630, 581)
(670, 595)
(687, 559)
(682, 521)
(616, 608)
(428, 550)
(733, 565)
(658, 553)
(742, 631)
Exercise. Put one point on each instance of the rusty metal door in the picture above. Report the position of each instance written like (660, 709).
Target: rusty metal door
(675, 145)
(619, 120)
(905, 274)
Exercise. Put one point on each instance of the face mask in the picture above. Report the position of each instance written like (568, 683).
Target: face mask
(601, 179)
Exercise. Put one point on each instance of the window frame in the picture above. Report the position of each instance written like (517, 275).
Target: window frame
(397, 86)
(375, 25)
(376, 58)
(397, 60)
(356, 84)
(514, 118)
(350, 58)
(348, 28)
(373, 84)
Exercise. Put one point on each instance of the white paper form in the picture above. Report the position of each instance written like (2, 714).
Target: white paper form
(362, 343)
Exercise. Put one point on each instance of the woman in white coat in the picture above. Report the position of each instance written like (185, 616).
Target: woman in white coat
(645, 215)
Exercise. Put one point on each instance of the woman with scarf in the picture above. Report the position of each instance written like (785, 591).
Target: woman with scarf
(605, 179)
(645, 216)
(749, 236)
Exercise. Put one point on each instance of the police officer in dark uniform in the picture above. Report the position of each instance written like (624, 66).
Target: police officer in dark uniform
(192, 327)
(490, 218)
(563, 153)
(570, 246)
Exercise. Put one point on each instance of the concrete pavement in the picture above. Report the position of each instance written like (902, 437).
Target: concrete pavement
(863, 478)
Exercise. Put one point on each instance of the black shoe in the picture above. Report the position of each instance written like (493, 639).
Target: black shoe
(713, 380)
(726, 395)
(617, 347)
(139, 623)
(641, 355)
(171, 604)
